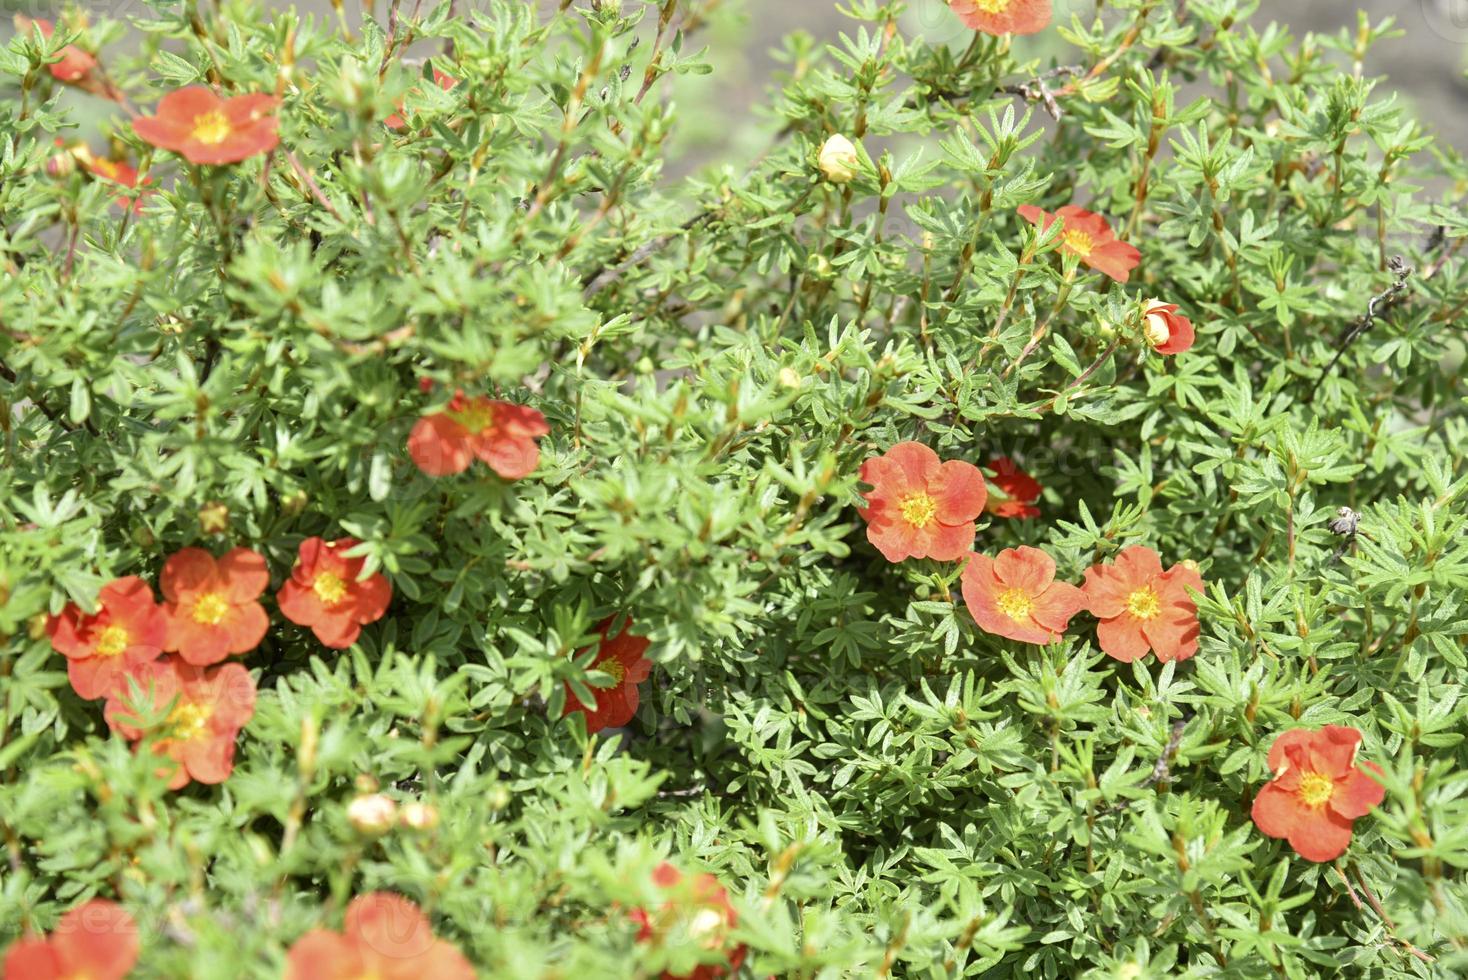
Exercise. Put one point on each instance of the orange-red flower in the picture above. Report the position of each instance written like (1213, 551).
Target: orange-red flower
(75, 65)
(385, 937)
(1143, 608)
(324, 592)
(919, 507)
(101, 649)
(114, 171)
(1019, 489)
(445, 82)
(1317, 791)
(1003, 16)
(212, 605)
(622, 657)
(502, 434)
(203, 128)
(1088, 237)
(1015, 595)
(1167, 331)
(697, 912)
(97, 940)
(209, 709)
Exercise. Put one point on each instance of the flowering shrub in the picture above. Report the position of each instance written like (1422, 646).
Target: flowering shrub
(1011, 524)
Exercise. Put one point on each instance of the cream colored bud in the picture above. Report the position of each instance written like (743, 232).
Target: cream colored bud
(419, 816)
(789, 377)
(1157, 329)
(838, 159)
(372, 815)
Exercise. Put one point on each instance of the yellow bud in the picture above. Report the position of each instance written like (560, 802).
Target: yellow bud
(372, 815)
(789, 378)
(214, 518)
(419, 816)
(306, 755)
(838, 159)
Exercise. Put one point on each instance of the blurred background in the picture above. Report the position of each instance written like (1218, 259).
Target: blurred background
(720, 119)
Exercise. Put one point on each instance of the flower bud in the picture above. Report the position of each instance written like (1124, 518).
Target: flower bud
(789, 377)
(293, 503)
(838, 159)
(372, 815)
(214, 518)
(62, 164)
(306, 754)
(1165, 329)
(419, 816)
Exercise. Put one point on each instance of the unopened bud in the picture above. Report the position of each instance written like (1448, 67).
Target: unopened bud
(419, 816)
(61, 164)
(293, 503)
(372, 815)
(214, 518)
(838, 159)
(306, 754)
(789, 377)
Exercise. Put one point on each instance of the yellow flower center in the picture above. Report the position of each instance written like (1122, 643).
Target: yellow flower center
(1144, 603)
(329, 588)
(475, 416)
(188, 719)
(613, 666)
(918, 509)
(1316, 790)
(1079, 242)
(211, 127)
(993, 6)
(111, 641)
(210, 608)
(1016, 604)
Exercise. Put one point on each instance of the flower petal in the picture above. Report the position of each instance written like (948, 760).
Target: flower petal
(245, 574)
(1028, 569)
(187, 571)
(1276, 811)
(1121, 638)
(958, 490)
(439, 446)
(1320, 835)
(1357, 794)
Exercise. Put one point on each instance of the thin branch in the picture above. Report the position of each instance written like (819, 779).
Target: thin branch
(1377, 305)
(603, 277)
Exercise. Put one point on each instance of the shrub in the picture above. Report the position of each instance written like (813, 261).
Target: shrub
(381, 433)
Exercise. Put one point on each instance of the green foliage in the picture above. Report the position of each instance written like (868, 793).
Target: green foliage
(884, 789)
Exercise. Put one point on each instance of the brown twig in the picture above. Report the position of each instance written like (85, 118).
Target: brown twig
(1375, 307)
